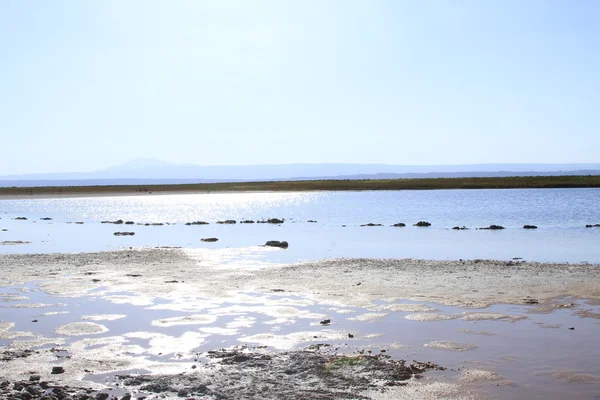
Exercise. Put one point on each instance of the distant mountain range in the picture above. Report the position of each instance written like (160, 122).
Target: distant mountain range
(149, 171)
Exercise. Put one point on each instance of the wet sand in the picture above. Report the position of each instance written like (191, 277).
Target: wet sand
(367, 302)
(358, 282)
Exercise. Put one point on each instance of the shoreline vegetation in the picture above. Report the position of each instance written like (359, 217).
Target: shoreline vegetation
(520, 182)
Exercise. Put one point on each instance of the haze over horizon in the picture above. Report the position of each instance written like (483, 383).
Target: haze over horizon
(149, 170)
(88, 85)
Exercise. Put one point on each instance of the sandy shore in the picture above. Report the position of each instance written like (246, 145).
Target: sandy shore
(358, 282)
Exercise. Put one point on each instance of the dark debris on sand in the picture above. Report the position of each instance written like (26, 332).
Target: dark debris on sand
(243, 373)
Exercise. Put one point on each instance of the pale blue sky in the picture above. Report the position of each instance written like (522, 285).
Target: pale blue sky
(89, 84)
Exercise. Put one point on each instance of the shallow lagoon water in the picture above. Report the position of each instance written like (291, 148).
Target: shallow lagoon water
(538, 356)
(560, 214)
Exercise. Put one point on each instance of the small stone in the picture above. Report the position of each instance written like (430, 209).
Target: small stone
(25, 396)
(34, 378)
(276, 243)
(58, 370)
(124, 233)
(200, 389)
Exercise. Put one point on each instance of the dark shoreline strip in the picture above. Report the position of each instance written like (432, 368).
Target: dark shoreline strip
(519, 182)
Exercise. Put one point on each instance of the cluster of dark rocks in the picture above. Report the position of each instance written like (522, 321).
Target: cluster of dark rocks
(121, 222)
(245, 221)
(312, 373)
(282, 220)
(34, 389)
(271, 221)
(593, 226)
(458, 228)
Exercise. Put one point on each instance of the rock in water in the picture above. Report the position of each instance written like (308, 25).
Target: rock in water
(210, 239)
(422, 223)
(272, 221)
(276, 243)
(493, 227)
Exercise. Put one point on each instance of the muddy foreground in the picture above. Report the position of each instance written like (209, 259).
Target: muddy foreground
(317, 371)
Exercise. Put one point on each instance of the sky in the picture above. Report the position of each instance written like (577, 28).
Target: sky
(85, 85)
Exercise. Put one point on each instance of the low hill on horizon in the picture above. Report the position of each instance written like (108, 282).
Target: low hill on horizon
(151, 171)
